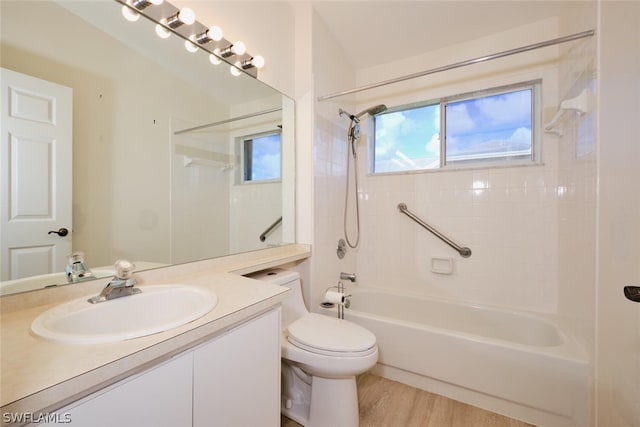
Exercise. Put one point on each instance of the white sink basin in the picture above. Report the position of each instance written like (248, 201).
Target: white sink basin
(158, 308)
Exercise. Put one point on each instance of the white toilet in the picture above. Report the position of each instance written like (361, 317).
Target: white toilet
(321, 356)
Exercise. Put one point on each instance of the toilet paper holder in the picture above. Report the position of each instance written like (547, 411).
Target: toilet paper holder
(338, 298)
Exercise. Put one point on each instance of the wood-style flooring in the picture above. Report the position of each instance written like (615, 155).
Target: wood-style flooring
(386, 403)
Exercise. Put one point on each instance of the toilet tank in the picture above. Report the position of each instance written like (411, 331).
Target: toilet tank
(293, 306)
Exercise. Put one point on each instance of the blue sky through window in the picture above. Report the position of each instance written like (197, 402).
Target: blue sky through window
(485, 127)
(408, 139)
(491, 126)
(265, 157)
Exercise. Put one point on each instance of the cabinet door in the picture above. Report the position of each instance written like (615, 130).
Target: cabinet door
(237, 376)
(156, 398)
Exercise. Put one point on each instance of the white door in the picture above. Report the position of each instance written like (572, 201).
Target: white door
(35, 175)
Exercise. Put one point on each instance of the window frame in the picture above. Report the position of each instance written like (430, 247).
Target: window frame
(535, 158)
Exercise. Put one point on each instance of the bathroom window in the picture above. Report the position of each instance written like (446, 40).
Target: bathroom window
(261, 157)
(492, 127)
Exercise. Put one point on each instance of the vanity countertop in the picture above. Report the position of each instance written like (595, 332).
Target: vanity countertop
(40, 375)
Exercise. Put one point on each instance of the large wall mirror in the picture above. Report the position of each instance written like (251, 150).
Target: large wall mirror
(139, 148)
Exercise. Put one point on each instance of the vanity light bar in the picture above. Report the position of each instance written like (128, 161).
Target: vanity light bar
(198, 34)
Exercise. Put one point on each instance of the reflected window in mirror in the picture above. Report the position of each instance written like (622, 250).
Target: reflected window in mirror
(262, 157)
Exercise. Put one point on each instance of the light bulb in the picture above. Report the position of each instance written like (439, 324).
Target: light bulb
(162, 32)
(234, 71)
(258, 61)
(238, 48)
(214, 59)
(156, 2)
(190, 46)
(186, 16)
(211, 33)
(129, 14)
(214, 33)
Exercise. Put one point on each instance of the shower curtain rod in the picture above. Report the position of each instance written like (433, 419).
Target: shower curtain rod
(502, 54)
(233, 119)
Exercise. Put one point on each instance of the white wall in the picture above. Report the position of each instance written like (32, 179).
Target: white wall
(305, 119)
(618, 213)
(254, 207)
(266, 27)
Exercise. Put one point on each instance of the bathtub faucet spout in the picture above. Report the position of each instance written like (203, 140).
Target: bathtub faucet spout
(348, 276)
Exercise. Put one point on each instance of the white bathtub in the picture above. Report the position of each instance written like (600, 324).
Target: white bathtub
(518, 364)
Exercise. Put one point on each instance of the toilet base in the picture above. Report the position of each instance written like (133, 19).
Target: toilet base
(333, 402)
(296, 393)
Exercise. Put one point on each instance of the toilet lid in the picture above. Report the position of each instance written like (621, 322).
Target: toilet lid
(330, 334)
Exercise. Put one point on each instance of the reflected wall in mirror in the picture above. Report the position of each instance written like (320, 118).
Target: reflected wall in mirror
(148, 181)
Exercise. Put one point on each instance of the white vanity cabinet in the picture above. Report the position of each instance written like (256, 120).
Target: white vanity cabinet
(232, 380)
(159, 397)
(236, 378)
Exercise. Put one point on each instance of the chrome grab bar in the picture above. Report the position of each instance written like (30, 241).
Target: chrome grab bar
(269, 229)
(463, 251)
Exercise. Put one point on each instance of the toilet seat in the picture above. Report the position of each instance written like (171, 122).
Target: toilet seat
(331, 336)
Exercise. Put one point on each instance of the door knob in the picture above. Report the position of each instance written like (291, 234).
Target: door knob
(632, 293)
(61, 232)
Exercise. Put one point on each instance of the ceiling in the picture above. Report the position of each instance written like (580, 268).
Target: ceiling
(378, 32)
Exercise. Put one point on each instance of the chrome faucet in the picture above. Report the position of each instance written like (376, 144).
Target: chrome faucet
(348, 276)
(76, 270)
(122, 284)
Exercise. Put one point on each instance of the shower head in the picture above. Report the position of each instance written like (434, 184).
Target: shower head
(376, 109)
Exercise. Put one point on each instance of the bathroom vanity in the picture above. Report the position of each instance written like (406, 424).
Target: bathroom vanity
(202, 373)
(211, 384)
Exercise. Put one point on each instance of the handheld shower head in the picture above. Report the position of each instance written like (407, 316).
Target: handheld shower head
(376, 109)
(353, 134)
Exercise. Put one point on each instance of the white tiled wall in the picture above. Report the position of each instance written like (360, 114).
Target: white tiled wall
(252, 209)
(506, 216)
(331, 67)
(199, 199)
(516, 220)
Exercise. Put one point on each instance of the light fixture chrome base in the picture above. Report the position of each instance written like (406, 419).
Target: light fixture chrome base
(162, 13)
